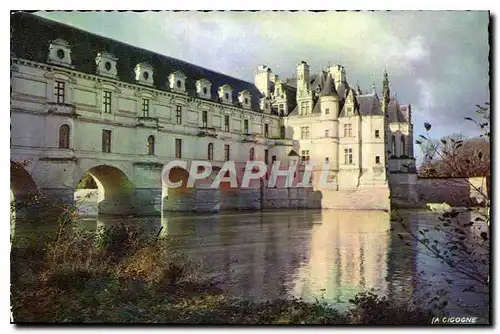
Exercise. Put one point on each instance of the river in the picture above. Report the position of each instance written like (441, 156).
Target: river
(312, 254)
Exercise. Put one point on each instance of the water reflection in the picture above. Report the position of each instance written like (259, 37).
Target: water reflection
(348, 254)
(308, 254)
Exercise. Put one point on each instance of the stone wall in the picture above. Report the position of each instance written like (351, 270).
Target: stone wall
(208, 200)
(403, 189)
(453, 191)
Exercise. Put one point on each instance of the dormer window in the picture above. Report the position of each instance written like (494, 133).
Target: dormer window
(226, 94)
(203, 88)
(264, 105)
(177, 81)
(60, 53)
(106, 64)
(244, 98)
(144, 74)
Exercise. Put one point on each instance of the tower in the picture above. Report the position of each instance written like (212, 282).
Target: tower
(330, 107)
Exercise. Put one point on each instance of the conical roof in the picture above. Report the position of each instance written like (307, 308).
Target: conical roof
(329, 88)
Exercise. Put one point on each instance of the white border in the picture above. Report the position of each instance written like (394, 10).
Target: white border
(185, 5)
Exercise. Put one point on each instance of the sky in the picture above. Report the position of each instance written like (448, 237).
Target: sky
(437, 61)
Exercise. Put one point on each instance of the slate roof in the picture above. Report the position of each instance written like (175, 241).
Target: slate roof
(31, 36)
(329, 88)
(394, 114)
(368, 105)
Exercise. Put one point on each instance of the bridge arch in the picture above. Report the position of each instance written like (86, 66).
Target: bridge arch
(23, 189)
(111, 191)
(22, 183)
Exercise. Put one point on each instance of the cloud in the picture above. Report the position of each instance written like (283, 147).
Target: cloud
(437, 60)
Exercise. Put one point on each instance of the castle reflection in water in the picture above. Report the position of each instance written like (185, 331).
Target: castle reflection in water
(307, 254)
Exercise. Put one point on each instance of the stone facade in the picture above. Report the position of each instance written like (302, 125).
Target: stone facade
(121, 113)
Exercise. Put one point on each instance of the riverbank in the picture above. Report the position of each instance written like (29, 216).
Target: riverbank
(120, 275)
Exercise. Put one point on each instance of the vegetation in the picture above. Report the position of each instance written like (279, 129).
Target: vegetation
(461, 241)
(87, 182)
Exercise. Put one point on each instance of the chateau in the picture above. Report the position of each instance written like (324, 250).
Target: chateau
(82, 103)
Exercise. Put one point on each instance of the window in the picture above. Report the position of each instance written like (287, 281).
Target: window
(377, 134)
(60, 53)
(308, 107)
(377, 159)
(273, 159)
(179, 84)
(145, 107)
(393, 145)
(303, 108)
(210, 153)
(245, 126)
(305, 156)
(403, 145)
(281, 108)
(204, 118)
(327, 133)
(266, 130)
(327, 111)
(251, 156)
(106, 141)
(347, 130)
(178, 114)
(304, 132)
(64, 136)
(349, 110)
(106, 102)
(178, 148)
(266, 156)
(59, 92)
(282, 132)
(151, 145)
(226, 123)
(226, 152)
(348, 156)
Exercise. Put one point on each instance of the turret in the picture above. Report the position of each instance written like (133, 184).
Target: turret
(329, 99)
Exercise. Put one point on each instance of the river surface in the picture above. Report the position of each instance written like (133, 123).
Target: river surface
(313, 254)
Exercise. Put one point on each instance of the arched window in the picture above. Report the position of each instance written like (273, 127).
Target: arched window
(393, 146)
(403, 145)
(151, 145)
(210, 154)
(64, 136)
(252, 154)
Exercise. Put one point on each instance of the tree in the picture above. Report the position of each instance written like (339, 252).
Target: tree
(453, 241)
(455, 156)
